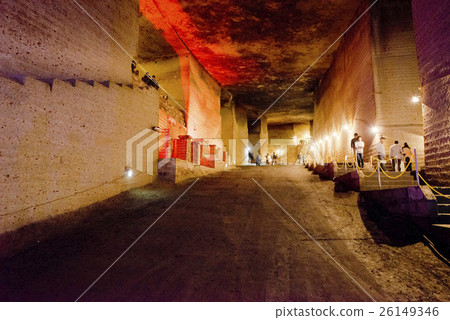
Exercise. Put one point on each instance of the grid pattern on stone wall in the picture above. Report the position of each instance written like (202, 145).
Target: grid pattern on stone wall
(431, 24)
(58, 141)
(345, 94)
(56, 39)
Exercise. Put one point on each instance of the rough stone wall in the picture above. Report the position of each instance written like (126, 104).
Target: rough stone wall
(396, 75)
(370, 84)
(432, 25)
(242, 133)
(344, 100)
(281, 131)
(302, 130)
(187, 82)
(64, 147)
(204, 103)
(55, 39)
(229, 125)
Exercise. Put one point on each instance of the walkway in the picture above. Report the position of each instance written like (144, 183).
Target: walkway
(227, 240)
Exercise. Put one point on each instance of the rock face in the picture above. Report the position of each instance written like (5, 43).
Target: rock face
(402, 205)
(431, 25)
(257, 49)
(347, 182)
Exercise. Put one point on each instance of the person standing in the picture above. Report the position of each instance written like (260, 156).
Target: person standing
(407, 153)
(381, 153)
(395, 152)
(352, 144)
(258, 159)
(359, 146)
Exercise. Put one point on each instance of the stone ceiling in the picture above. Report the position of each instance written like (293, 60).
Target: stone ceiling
(256, 49)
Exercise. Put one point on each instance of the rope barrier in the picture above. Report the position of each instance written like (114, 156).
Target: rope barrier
(362, 172)
(351, 165)
(393, 178)
(443, 195)
(341, 167)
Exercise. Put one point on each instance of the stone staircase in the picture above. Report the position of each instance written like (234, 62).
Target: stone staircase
(442, 222)
(372, 183)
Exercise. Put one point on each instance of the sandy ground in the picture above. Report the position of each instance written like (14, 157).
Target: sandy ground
(224, 240)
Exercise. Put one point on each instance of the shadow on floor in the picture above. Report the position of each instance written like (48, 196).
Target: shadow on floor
(386, 228)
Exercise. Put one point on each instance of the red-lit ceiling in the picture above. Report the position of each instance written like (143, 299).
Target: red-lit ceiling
(256, 48)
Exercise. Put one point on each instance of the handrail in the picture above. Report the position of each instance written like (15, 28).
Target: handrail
(443, 195)
(402, 172)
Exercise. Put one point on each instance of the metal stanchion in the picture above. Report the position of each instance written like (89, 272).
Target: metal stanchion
(379, 176)
(417, 168)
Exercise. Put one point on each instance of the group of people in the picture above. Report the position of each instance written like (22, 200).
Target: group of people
(271, 158)
(397, 154)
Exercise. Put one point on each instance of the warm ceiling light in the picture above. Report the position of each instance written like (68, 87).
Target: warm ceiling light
(334, 134)
(346, 127)
(415, 99)
(320, 141)
(326, 138)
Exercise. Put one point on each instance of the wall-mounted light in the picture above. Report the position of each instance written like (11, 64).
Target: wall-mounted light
(326, 138)
(415, 99)
(374, 129)
(129, 172)
(346, 127)
(334, 134)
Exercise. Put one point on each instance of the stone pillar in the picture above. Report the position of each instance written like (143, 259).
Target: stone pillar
(234, 128)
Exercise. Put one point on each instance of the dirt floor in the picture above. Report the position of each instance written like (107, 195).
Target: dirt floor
(224, 240)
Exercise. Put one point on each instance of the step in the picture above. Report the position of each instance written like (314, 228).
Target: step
(386, 183)
(443, 218)
(442, 200)
(376, 187)
(443, 190)
(442, 225)
(389, 180)
(443, 208)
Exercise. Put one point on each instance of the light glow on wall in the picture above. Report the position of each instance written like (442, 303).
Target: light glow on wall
(129, 173)
(415, 99)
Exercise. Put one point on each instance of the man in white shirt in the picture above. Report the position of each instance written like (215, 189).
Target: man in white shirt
(381, 153)
(359, 147)
(395, 152)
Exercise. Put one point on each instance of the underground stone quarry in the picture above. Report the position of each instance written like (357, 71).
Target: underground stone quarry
(172, 150)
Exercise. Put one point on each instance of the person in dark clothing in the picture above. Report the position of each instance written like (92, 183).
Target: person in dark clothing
(407, 153)
(133, 66)
(250, 157)
(352, 143)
